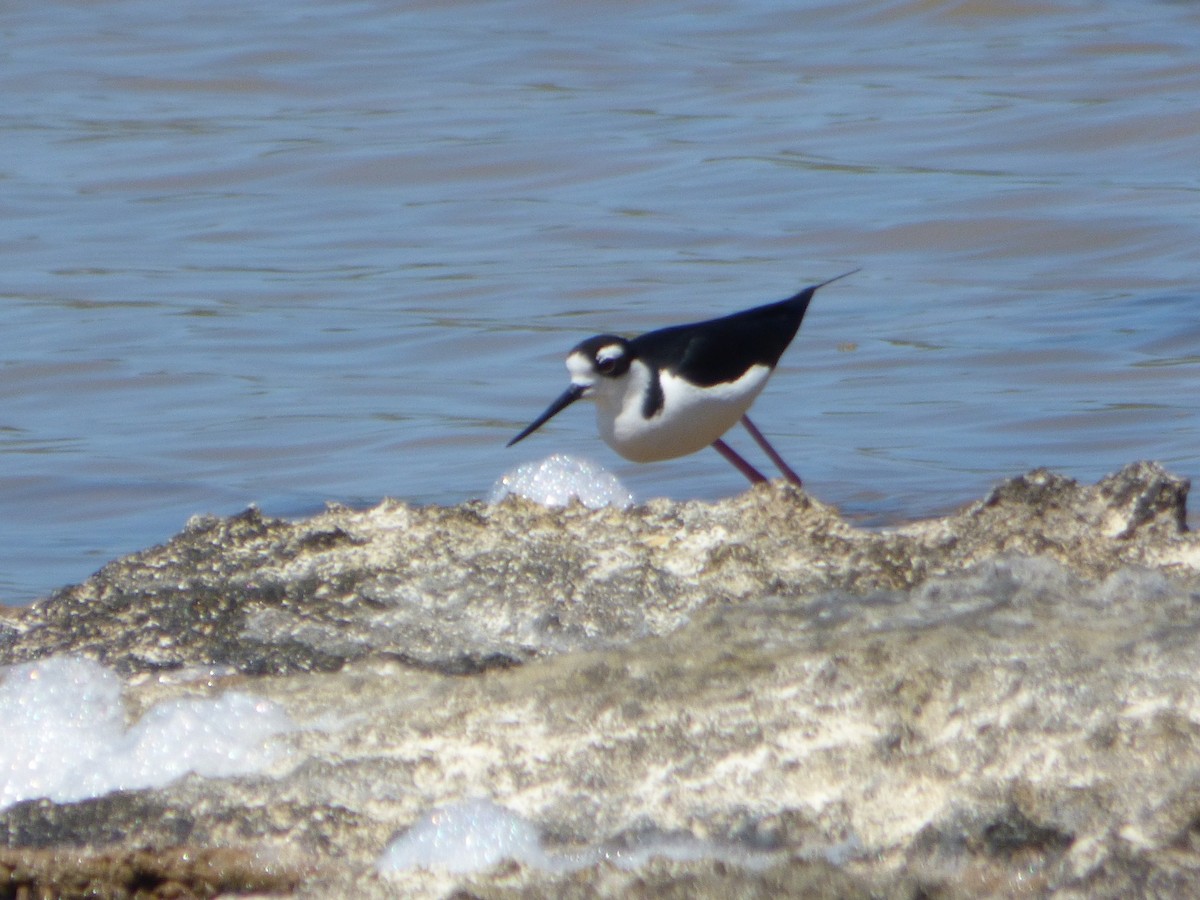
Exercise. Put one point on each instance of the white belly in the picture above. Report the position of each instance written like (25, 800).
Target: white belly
(690, 420)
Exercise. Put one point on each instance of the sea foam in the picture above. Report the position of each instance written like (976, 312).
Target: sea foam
(559, 479)
(474, 835)
(66, 739)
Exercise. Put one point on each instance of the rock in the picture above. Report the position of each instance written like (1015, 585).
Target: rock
(1000, 701)
(178, 872)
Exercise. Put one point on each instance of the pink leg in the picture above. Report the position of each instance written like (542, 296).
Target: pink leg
(783, 467)
(740, 464)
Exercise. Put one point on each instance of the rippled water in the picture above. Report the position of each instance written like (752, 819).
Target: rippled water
(290, 253)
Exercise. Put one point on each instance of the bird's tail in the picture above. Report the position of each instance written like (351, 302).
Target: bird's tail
(799, 302)
(835, 278)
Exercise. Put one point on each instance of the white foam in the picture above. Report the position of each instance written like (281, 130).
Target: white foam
(473, 836)
(558, 479)
(65, 736)
(463, 838)
(681, 848)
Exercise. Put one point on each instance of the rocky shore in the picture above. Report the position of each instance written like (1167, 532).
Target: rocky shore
(746, 698)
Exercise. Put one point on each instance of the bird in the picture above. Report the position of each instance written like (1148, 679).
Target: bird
(677, 390)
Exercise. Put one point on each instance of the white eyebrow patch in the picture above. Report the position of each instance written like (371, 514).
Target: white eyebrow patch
(609, 352)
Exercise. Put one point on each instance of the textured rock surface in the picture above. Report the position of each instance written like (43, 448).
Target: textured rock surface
(1005, 701)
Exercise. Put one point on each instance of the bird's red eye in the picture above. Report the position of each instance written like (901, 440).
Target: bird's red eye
(606, 365)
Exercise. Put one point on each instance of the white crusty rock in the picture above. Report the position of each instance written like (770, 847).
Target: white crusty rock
(751, 697)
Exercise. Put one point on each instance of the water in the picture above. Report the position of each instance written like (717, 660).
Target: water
(320, 251)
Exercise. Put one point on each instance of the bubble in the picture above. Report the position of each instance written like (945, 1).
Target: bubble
(559, 479)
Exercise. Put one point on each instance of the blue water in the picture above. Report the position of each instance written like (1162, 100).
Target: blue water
(307, 252)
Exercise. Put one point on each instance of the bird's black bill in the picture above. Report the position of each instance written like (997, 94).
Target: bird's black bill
(569, 396)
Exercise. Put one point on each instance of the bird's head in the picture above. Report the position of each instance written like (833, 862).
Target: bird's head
(604, 356)
(595, 365)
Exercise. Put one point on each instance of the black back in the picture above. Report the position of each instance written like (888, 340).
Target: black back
(721, 350)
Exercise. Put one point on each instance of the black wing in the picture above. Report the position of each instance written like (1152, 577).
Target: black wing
(721, 350)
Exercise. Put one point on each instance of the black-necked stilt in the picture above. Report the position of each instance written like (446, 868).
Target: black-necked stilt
(674, 391)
